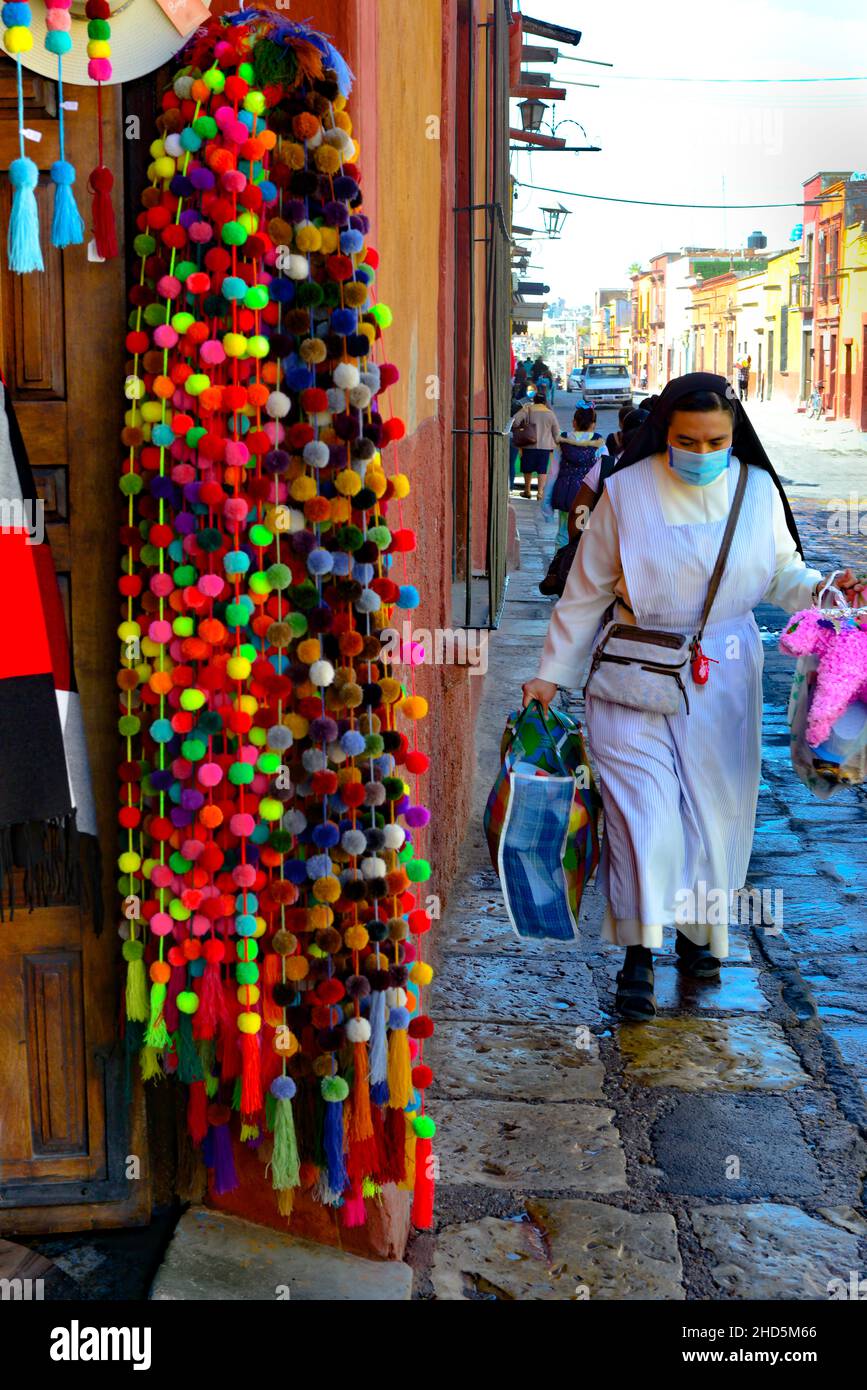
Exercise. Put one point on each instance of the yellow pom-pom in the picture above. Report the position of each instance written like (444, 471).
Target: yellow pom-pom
(234, 344)
(238, 668)
(297, 968)
(330, 240)
(18, 39)
(99, 48)
(348, 482)
(400, 485)
(375, 479)
(296, 724)
(356, 937)
(249, 1023)
(302, 489)
(308, 238)
(248, 994)
(390, 689)
(319, 917)
(327, 889)
(164, 167)
(327, 159)
(309, 650)
(421, 973)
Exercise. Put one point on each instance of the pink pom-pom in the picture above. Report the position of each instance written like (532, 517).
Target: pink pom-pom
(237, 453)
(165, 336)
(99, 70)
(235, 510)
(212, 352)
(58, 21)
(242, 824)
(168, 287)
(211, 585)
(161, 924)
(234, 181)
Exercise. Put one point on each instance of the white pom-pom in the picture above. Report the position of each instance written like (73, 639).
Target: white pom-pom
(371, 377)
(336, 400)
(345, 375)
(394, 836)
(336, 755)
(316, 453)
(296, 520)
(295, 822)
(374, 867)
(173, 146)
(322, 673)
(357, 1030)
(314, 141)
(314, 760)
(296, 267)
(278, 404)
(354, 841)
(183, 87)
(360, 397)
(395, 998)
(368, 601)
(279, 738)
(340, 139)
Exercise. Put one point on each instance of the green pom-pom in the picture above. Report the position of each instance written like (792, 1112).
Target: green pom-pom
(424, 1126)
(418, 870)
(334, 1088)
(132, 949)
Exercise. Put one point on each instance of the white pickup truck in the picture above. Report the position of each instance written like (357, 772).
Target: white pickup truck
(607, 383)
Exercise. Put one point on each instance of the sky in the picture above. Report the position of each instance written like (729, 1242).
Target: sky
(690, 141)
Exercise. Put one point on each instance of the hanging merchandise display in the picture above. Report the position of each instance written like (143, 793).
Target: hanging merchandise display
(272, 863)
(101, 179)
(67, 227)
(23, 249)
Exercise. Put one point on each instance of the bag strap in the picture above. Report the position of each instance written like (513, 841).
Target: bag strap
(725, 546)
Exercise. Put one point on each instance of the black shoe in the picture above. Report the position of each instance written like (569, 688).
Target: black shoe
(696, 961)
(634, 999)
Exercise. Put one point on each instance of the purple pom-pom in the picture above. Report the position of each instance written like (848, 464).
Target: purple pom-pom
(416, 815)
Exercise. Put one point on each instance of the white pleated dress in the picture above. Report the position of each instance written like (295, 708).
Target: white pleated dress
(679, 792)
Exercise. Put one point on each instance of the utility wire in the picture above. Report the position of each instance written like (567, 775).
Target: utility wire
(730, 81)
(652, 203)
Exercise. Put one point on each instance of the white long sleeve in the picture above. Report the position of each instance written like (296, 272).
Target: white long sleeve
(595, 574)
(792, 585)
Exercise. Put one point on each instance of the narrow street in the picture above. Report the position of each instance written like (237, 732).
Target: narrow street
(715, 1153)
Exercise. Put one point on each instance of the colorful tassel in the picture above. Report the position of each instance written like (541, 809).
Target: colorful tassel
(225, 1177)
(157, 1035)
(67, 224)
(285, 1162)
(189, 1062)
(101, 179)
(24, 251)
(400, 1091)
(197, 1112)
(136, 981)
(378, 1048)
(352, 1212)
(334, 1092)
(423, 1189)
(211, 1012)
(150, 1063)
(251, 1074)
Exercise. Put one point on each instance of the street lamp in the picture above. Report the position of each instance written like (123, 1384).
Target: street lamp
(532, 111)
(554, 219)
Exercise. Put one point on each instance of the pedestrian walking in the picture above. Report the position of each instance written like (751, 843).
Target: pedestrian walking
(679, 788)
(535, 430)
(744, 378)
(579, 451)
(517, 404)
(614, 442)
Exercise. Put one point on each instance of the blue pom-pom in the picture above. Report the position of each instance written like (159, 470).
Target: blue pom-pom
(363, 572)
(162, 435)
(268, 191)
(368, 601)
(23, 249)
(398, 1018)
(283, 1088)
(282, 290)
(17, 13)
(319, 866)
(351, 242)
(326, 835)
(344, 321)
(352, 743)
(297, 378)
(236, 562)
(408, 596)
(320, 562)
(190, 140)
(341, 563)
(233, 287)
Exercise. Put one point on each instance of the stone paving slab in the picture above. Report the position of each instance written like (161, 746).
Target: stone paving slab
(757, 1137)
(837, 982)
(767, 1250)
(740, 1054)
(852, 1042)
(519, 1146)
(569, 1250)
(534, 1061)
(504, 989)
(215, 1257)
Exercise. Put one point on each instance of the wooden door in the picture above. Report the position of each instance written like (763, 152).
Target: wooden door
(64, 1136)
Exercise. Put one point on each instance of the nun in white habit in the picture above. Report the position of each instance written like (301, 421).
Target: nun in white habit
(679, 791)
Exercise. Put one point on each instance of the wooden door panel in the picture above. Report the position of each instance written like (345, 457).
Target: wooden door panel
(64, 1123)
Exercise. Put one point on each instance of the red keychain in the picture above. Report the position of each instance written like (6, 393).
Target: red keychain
(700, 664)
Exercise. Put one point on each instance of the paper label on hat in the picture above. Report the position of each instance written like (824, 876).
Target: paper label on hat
(185, 15)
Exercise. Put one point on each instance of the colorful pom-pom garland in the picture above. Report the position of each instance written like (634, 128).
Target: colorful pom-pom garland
(67, 227)
(22, 247)
(101, 182)
(270, 835)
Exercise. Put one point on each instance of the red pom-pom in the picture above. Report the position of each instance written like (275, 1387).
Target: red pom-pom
(416, 762)
(298, 435)
(353, 794)
(422, 1076)
(392, 430)
(339, 267)
(421, 1027)
(402, 540)
(314, 400)
(371, 255)
(388, 374)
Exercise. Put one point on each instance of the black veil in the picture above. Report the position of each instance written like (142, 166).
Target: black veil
(652, 437)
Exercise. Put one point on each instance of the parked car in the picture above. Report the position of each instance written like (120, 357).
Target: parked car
(607, 383)
(575, 380)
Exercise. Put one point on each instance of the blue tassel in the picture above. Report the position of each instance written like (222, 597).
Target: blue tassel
(378, 1048)
(67, 227)
(332, 1141)
(25, 253)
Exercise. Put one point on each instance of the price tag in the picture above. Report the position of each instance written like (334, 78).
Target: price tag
(35, 135)
(92, 253)
(185, 15)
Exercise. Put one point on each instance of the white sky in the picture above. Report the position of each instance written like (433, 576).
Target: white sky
(678, 141)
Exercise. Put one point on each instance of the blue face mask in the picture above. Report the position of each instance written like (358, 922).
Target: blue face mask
(698, 469)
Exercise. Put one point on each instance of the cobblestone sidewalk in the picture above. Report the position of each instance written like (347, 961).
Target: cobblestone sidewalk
(716, 1153)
